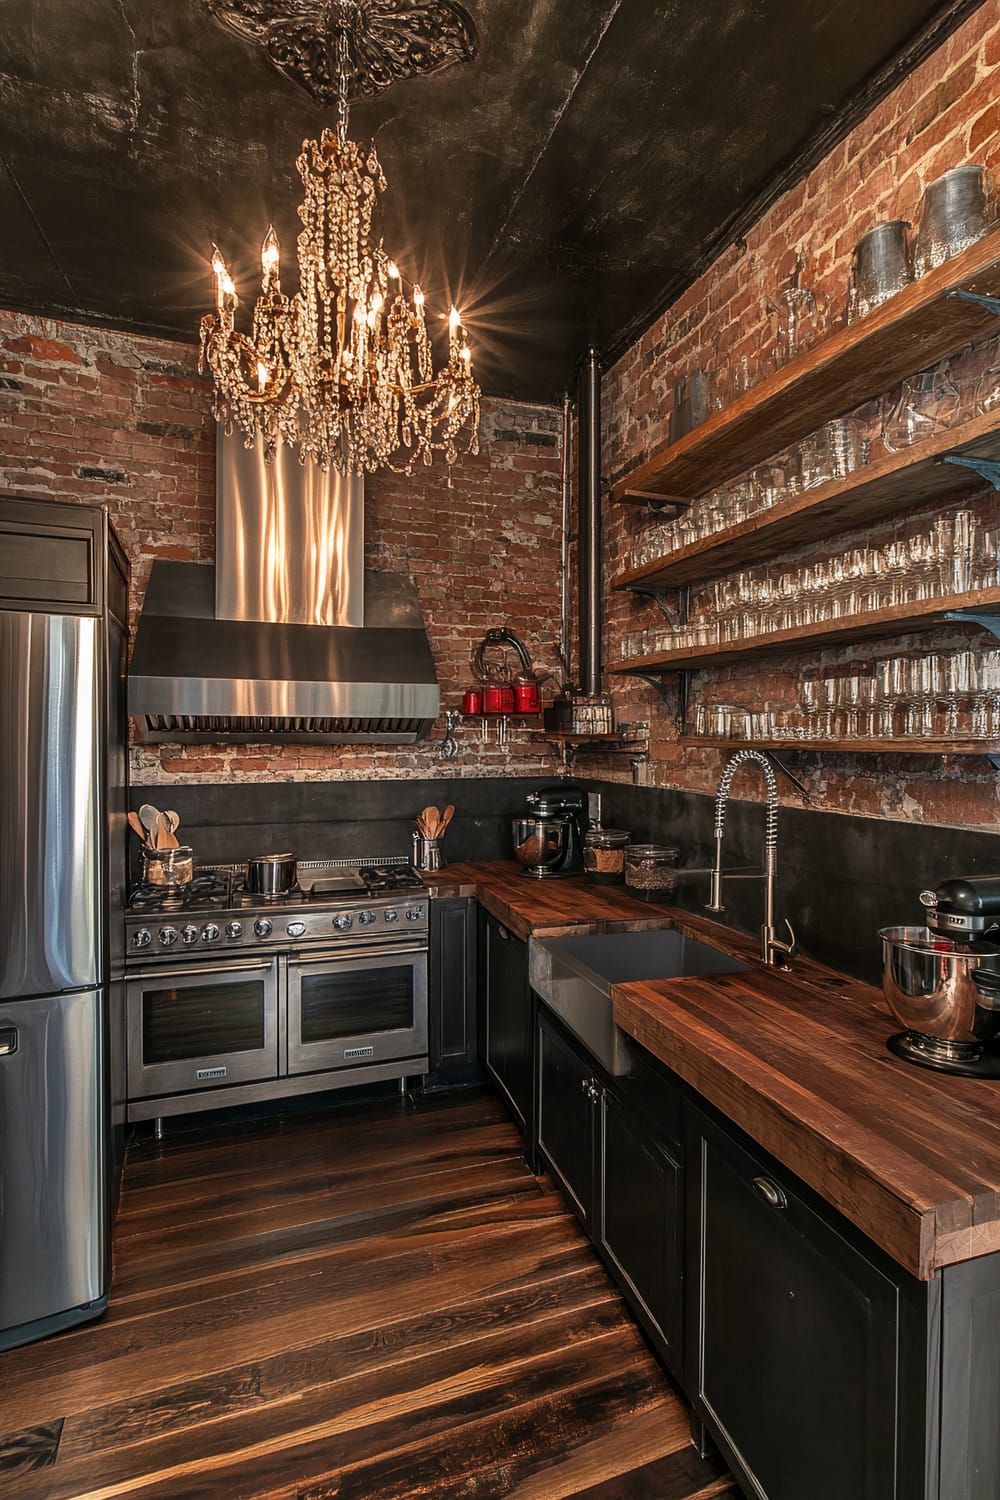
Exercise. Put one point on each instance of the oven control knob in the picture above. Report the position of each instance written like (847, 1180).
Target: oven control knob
(343, 922)
(142, 938)
(364, 917)
(209, 932)
(168, 936)
(392, 916)
(295, 929)
(189, 934)
(234, 929)
(414, 913)
(262, 927)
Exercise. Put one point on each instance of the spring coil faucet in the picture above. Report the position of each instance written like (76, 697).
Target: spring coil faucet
(773, 949)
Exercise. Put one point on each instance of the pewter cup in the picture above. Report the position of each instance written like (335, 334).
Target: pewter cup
(880, 267)
(955, 214)
(427, 853)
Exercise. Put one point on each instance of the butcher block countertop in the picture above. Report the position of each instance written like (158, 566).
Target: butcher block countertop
(798, 1061)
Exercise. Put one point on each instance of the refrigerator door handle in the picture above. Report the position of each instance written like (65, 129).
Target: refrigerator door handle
(8, 1040)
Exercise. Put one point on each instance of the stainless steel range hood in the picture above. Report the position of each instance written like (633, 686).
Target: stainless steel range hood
(233, 652)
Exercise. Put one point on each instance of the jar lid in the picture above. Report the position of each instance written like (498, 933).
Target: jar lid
(652, 851)
(606, 838)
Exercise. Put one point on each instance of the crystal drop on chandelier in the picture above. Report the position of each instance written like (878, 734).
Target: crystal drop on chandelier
(342, 371)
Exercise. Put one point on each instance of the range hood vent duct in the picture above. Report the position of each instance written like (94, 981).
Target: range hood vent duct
(288, 639)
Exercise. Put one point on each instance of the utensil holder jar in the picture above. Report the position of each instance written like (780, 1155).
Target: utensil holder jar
(428, 853)
(168, 867)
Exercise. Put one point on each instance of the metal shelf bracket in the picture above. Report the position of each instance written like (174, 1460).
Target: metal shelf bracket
(990, 622)
(676, 616)
(991, 304)
(986, 468)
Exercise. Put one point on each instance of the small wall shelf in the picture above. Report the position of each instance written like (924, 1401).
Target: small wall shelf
(918, 326)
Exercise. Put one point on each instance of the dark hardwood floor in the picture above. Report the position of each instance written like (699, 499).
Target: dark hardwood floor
(375, 1303)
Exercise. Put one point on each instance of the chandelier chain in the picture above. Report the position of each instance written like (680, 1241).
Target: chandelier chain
(343, 62)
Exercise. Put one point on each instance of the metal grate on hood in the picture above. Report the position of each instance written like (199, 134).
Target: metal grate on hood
(209, 729)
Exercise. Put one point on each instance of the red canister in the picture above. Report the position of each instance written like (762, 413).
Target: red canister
(507, 700)
(526, 699)
(472, 702)
(493, 698)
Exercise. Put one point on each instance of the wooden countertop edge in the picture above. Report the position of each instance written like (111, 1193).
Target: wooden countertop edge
(778, 1121)
(918, 1232)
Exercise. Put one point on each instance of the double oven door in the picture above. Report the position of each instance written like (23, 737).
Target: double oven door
(356, 1007)
(202, 1025)
(206, 1026)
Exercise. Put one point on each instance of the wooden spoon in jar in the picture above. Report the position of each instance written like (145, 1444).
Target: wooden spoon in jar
(136, 826)
(446, 818)
(166, 838)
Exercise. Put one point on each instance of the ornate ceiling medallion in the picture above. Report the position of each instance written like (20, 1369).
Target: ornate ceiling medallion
(389, 40)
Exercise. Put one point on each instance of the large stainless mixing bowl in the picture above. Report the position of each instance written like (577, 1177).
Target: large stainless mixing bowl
(928, 986)
(538, 842)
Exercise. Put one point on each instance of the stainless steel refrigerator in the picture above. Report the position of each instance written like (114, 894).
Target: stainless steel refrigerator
(63, 608)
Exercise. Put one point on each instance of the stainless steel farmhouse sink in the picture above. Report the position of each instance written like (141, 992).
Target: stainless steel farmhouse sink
(574, 975)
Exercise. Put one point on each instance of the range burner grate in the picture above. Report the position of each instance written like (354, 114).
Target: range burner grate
(210, 890)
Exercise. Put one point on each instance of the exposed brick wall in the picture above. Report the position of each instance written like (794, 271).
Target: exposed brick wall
(93, 415)
(943, 115)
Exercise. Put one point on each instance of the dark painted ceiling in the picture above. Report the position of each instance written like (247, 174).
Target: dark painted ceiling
(562, 188)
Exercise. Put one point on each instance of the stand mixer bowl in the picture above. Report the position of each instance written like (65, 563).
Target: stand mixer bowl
(539, 842)
(929, 987)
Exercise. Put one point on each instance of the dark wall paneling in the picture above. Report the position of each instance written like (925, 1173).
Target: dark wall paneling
(839, 878)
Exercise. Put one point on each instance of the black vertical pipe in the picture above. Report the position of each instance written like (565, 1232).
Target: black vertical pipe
(589, 527)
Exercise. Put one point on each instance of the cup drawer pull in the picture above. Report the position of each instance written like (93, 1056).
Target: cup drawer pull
(8, 1040)
(770, 1192)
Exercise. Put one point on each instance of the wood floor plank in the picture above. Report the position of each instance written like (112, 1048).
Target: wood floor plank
(370, 1304)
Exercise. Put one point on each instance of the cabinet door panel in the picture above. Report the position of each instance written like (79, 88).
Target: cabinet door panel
(642, 1223)
(797, 1340)
(566, 1104)
(452, 975)
(508, 1052)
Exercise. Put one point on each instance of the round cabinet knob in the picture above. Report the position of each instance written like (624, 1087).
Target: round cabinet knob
(392, 916)
(365, 917)
(295, 929)
(262, 927)
(343, 922)
(414, 913)
(168, 936)
(142, 938)
(233, 929)
(209, 932)
(189, 934)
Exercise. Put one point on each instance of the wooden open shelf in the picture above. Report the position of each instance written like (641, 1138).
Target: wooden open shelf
(909, 332)
(853, 746)
(875, 491)
(898, 619)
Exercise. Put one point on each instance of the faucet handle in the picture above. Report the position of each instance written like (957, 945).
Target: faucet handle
(789, 949)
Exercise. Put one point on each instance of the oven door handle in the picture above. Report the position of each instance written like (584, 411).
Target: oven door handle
(188, 972)
(349, 955)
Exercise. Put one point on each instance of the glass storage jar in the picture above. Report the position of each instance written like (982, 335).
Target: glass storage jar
(651, 871)
(604, 855)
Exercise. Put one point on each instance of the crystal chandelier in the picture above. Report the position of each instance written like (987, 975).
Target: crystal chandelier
(342, 371)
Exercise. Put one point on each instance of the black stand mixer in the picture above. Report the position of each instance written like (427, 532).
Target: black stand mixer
(942, 981)
(548, 842)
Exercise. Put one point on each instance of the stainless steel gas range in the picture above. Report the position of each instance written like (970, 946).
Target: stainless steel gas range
(232, 998)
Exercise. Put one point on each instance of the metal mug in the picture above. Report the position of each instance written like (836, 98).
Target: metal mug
(955, 214)
(880, 267)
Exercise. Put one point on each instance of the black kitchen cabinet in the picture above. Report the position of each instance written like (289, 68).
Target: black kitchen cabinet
(568, 1097)
(806, 1353)
(452, 1044)
(641, 1220)
(614, 1146)
(506, 1019)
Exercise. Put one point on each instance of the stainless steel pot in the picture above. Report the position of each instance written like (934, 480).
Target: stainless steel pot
(271, 874)
(929, 986)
